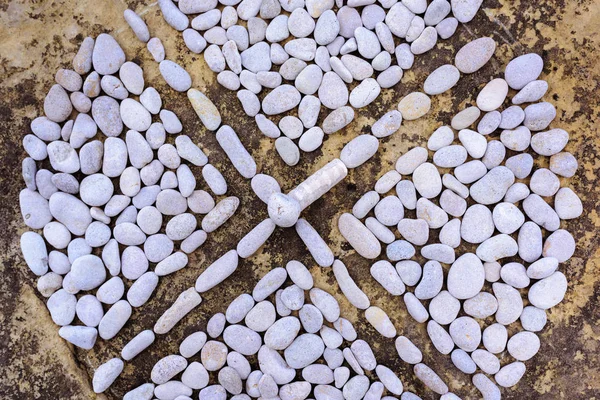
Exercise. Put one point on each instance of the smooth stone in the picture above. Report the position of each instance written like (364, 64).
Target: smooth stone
(440, 339)
(138, 344)
(311, 319)
(407, 351)
(414, 106)
(444, 308)
(523, 70)
(539, 115)
(549, 291)
(495, 337)
(475, 54)
(441, 80)
(326, 303)
(408, 162)
(510, 304)
(486, 387)
(269, 283)
(510, 374)
(466, 333)
(217, 272)
(481, 305)
(338, 119)
(533, 91)
(380, 321)
(107, 56)
(106, 374)
(541, 213)
(466, 276)
(463, 361)
(550, 142)
(523, 345)
(114, 319)
(430, 378)
(80, 336)
(333, 92)
(359, 150)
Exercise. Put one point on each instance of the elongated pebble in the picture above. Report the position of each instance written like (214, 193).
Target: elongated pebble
(172, 15)
(269, 283)
(326, 303)
(474, 55)
(205, 108)
(430, 379)
(138, 344)
(380, 321)
(359, 236)
(217, 272)
(254, 239)
(184, 303)
(220, 213)
(106, 374)
(488, 389)
(237, 153)
(315, 244)
(348, 286)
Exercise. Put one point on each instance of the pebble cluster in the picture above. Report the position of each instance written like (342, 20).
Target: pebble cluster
(481, 190)
(475, 190)
(295, 332)
(313, 53)
(115, 211)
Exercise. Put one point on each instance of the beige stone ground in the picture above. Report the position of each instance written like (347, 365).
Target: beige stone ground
(37, 38)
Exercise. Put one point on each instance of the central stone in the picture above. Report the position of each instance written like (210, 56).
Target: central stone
(283, 210)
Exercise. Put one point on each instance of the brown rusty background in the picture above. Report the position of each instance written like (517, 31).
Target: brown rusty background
(38, 37)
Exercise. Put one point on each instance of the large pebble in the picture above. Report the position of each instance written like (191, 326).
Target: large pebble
(474, 55)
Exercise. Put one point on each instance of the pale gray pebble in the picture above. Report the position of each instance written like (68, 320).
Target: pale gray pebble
(282, 333)
(138, 344)
(414, 106)
(308, 110)
(434, 215)
(475, 54)
(531, 92)
(489, 122)
(540, 212)
(426, 40)
(400, 250)
(444, 308)
(430, 379)
(141, 290)
(192, 242)
(281, 99)
(91, 85)
(239, 362)
(80, 336)
(440, 138)
(167, 368)
(387, 181)
(405, 396)
(449, 181)
(407, 351)
(356, 387)
(474, 142)
(318, 374)
(382, 61)
(487, 388)
(441, 339)
(106, 374)
(398, 19)
(486, 361)
(250, 102)
(291, 68)
(82, 62)
(137, 25)
(269, 79)
(291, 126)
(523, 70)
(62, 156)
(405, 190)
(390, 77)
(261, 316)
(387, 124)
(408, 162)
(431, 281)
(333, 92)
(549, 291)
(156, 49)
(61, 305)
(142, 392)
(241, 339)
(35, 209)
(517, 140)
(192, 344)
(507, 217)
(371, 15)
(450, 156)
(333, 357)
(299, 274)
(539, 115)
(111, 291)
(542, 268)
(550, 142)
(452, 203)
(385, 37)
(267, 127)
(463, 361)
(107, 56)
(311, 318)
(365, 204)
(415, 308)
(512, 117)
(175, 76)
(523, 345)
(510, 374)
(466, 276)
(494, 154)
(365, 93)
(493, 186)
(46, 129)
(520, 165)
(172, 263)
(172, 15)
(567, 204)
(213, 392)
(217, 271)
(311, 139)
(466, 333)
(269, 283)
(172, 388)
(338, 119)
(281, 308)
(89, 310)
(533, 319)
(114, 319)
(389, 211)
(129, 234)
(380, 231)
(450, 233)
